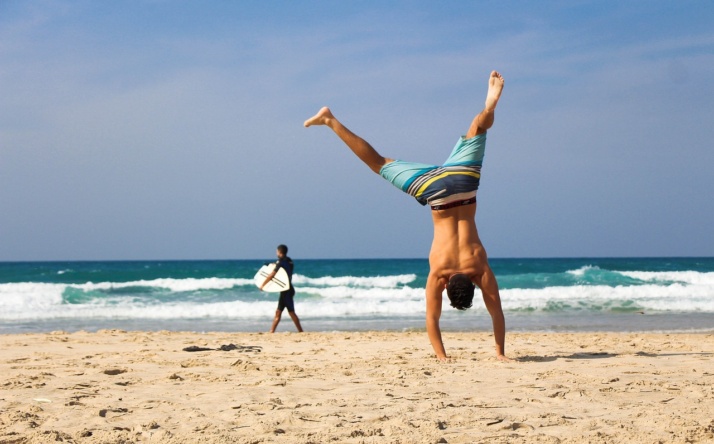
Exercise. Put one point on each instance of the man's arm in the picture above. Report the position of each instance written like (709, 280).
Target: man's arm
(492, 299)
(270, 276)
(499, 326)
(434, 290)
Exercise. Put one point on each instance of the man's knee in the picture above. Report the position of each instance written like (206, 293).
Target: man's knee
(377, 165)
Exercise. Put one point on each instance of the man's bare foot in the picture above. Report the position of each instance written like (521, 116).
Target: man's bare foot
(321, 118)
(495, 86)
(503, 358)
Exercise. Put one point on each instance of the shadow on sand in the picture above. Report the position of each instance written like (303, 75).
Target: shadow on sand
(603, 355)
(597, 355)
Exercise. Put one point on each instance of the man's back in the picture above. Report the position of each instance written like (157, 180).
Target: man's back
(456, 247)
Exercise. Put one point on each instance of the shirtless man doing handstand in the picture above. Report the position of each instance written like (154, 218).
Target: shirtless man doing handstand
(457, 259)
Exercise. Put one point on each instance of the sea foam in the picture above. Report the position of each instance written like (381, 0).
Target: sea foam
(338, 297)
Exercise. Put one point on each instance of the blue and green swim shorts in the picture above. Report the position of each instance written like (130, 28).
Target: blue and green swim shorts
(458, 178)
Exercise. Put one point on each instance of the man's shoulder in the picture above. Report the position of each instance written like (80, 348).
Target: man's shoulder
(284, 262)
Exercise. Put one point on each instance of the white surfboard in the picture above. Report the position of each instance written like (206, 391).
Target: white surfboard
(278, 283)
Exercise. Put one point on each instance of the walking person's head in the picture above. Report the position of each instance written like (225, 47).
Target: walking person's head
(460, 291)
(282, 250)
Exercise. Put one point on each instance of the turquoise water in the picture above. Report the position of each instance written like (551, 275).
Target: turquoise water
(588, 294)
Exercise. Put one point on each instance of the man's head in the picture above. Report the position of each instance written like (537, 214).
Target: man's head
(282, 250)
(460, 291)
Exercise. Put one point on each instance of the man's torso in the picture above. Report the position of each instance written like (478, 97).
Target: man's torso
(456, 247)
(287, 264)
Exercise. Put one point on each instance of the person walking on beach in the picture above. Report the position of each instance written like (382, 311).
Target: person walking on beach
(457, 260)
(286, 297)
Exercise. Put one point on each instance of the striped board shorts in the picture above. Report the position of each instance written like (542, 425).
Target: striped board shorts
(456, 180)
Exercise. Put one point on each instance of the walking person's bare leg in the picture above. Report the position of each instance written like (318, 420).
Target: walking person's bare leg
(358, 145)
(296, 320)
(276, 320)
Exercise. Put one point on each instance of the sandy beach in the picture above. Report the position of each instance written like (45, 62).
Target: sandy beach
(355, 387)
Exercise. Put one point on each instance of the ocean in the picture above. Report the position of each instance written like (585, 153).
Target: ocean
(538, 295)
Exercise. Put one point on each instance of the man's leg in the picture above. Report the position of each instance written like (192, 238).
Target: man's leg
(276, 320)
(296, 320)
(359, 146)
(484, 120)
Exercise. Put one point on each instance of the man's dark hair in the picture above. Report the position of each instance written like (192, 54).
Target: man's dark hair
(283, 249)
(460, 291)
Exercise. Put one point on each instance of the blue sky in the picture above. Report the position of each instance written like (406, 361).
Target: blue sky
(173, 130)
